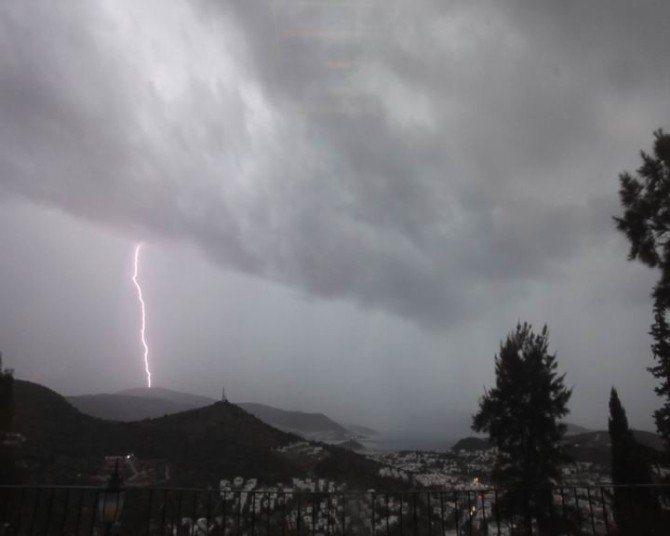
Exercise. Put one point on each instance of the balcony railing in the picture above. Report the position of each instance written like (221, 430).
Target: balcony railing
(574, 510)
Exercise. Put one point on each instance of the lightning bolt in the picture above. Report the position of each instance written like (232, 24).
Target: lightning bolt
(143, 328)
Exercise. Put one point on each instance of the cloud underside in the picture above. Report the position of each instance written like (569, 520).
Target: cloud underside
(416, 158)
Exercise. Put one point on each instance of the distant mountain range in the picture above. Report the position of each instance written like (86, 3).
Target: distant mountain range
(309, 425)
(203, 445)
(177, 397)
(595, 446)
(574, 429)
(65, 446)
(361, 430)
(125, 407)
(589, 446)
(148, 403)
(431, 430)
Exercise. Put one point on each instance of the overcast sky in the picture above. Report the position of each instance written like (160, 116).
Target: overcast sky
(345, 205)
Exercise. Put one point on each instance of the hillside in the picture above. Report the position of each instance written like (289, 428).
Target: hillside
(175, 397)
(221, 440)
(586, 447)
(351, 444)
(357, 429)
(309, 425)
(574, 429)
(595, 446)
(119, 407)
(65, 446)
(471, 444)
(144, 403)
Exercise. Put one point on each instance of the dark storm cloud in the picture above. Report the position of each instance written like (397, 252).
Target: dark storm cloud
(428, 162)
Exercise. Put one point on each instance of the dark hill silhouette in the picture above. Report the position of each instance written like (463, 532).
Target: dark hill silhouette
(299, 422)
(471, 443)
(117, 407)
(574, 429)
(587, 447)
(359, 430)
(176, 397)
(138, 403)
(351, 444)
(595, 446)
(62, 444)
(147, 403)
(203, 445)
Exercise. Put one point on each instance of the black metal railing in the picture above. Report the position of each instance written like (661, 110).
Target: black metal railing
(595, 510)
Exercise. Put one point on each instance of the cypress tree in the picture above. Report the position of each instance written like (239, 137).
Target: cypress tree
(7, 461)
(6, 398)
(635, 508)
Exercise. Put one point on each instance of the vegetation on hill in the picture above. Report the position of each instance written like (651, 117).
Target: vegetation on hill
(574, 429)
(593, 447)
(144, 403)
(176, 397)
(351, 444)
(120, 407)
(202, 445)
(471, 444)
(296, 421)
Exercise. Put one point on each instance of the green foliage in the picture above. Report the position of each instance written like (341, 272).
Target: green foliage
(522, 415)
(635, 509)
(646, 223)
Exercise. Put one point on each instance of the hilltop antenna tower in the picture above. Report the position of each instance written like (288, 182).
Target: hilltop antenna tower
(223, 394)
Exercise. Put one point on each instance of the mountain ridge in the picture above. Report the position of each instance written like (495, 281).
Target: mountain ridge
(163, 393)
(126, 408)
(220, 439)
(592, 446)
(312, 425)
(145, 403)
(203, 445)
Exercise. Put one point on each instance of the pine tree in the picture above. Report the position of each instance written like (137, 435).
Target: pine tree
(646, 224)
(635, 508)
(522, 415)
